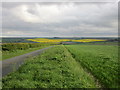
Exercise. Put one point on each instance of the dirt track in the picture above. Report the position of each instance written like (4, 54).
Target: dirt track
(10, 65)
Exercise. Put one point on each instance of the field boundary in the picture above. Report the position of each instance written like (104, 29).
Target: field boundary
(98, 84)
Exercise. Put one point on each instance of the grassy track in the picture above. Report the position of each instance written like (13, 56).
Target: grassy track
(100, 60)
(8, 54)
(55, 68)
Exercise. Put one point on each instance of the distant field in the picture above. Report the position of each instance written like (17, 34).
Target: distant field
(55, 68)
(100, 60)
(16, 40)
(64, 40)
(101, 43)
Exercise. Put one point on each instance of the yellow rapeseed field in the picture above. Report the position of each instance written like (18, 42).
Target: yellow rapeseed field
(48, 40)
(45, 40)
(88, 40)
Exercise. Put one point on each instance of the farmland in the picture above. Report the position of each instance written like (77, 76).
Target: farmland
(88, 64)
(101, 61)
(63, 40)
(12, 47)
(65, 44)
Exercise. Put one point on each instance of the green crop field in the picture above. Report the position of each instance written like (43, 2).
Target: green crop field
(100, 60)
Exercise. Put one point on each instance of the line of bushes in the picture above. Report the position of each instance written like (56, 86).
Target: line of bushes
(21, 46)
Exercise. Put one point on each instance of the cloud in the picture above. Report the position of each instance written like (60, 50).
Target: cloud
(61, 0)
(45, 13)
(60, 19)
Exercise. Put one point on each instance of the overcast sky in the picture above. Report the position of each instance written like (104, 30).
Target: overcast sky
(70, 19)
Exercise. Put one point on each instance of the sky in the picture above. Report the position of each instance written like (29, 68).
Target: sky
(59, 19)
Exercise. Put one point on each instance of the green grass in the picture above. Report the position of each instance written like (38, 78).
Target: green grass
(99, 43)
(55, 68)
(10, 54)
(100, 60)
(103, 43)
